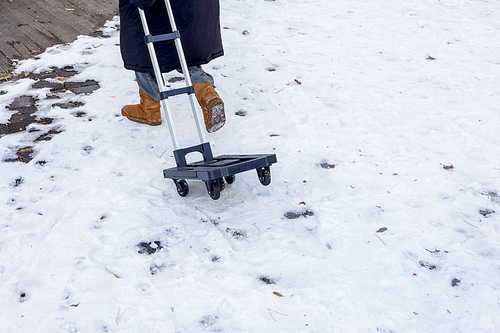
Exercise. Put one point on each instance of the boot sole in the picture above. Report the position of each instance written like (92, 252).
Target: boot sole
(142, 121)
(216, 116)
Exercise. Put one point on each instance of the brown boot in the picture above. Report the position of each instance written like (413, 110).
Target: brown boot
(211, 104)
(147, 112)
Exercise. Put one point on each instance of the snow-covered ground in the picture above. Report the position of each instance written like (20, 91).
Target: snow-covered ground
(383, 214)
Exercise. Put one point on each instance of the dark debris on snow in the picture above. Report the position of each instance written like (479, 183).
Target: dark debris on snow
(296, 215)
(149, 247)
(267, 280)
(25, 106)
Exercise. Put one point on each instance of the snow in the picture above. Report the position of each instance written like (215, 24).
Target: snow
(364, 104)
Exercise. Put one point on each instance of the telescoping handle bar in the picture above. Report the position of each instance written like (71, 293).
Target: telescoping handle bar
(164, 94)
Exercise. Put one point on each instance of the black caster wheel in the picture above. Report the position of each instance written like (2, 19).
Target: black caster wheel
(182, 187)
(214, 187)
(230, 179)
(264, 175)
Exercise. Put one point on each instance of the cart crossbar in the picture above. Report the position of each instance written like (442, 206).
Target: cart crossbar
(160, 38)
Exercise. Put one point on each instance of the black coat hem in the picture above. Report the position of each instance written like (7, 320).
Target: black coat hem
(143, 69)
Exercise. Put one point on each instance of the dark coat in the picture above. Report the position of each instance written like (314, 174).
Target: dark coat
(196, 20)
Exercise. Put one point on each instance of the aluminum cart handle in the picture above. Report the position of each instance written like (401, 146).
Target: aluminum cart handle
(175, 36)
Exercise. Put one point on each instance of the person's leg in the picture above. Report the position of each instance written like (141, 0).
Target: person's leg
(210, 102)
(148, 110)
(197, 74)
(147, 83)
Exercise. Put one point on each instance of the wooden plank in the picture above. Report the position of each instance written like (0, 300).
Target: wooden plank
(22, 33)
(5, 47)
(16, 49)
(101, 11)
(54, 17)
(5, 64)
(28, 27)
(15, 32)
(40, 33)
(88, 14)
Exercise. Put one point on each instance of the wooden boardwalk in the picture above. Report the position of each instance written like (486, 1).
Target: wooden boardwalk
(28, 27)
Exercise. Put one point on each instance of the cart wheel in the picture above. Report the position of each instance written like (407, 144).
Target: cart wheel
(264, 175)
(230, 179)
(182, 187)
(214, 187)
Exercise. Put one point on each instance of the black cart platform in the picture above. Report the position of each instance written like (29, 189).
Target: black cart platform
(215, 170)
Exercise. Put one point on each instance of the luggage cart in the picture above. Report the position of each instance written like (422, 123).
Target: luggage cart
(214, 171)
